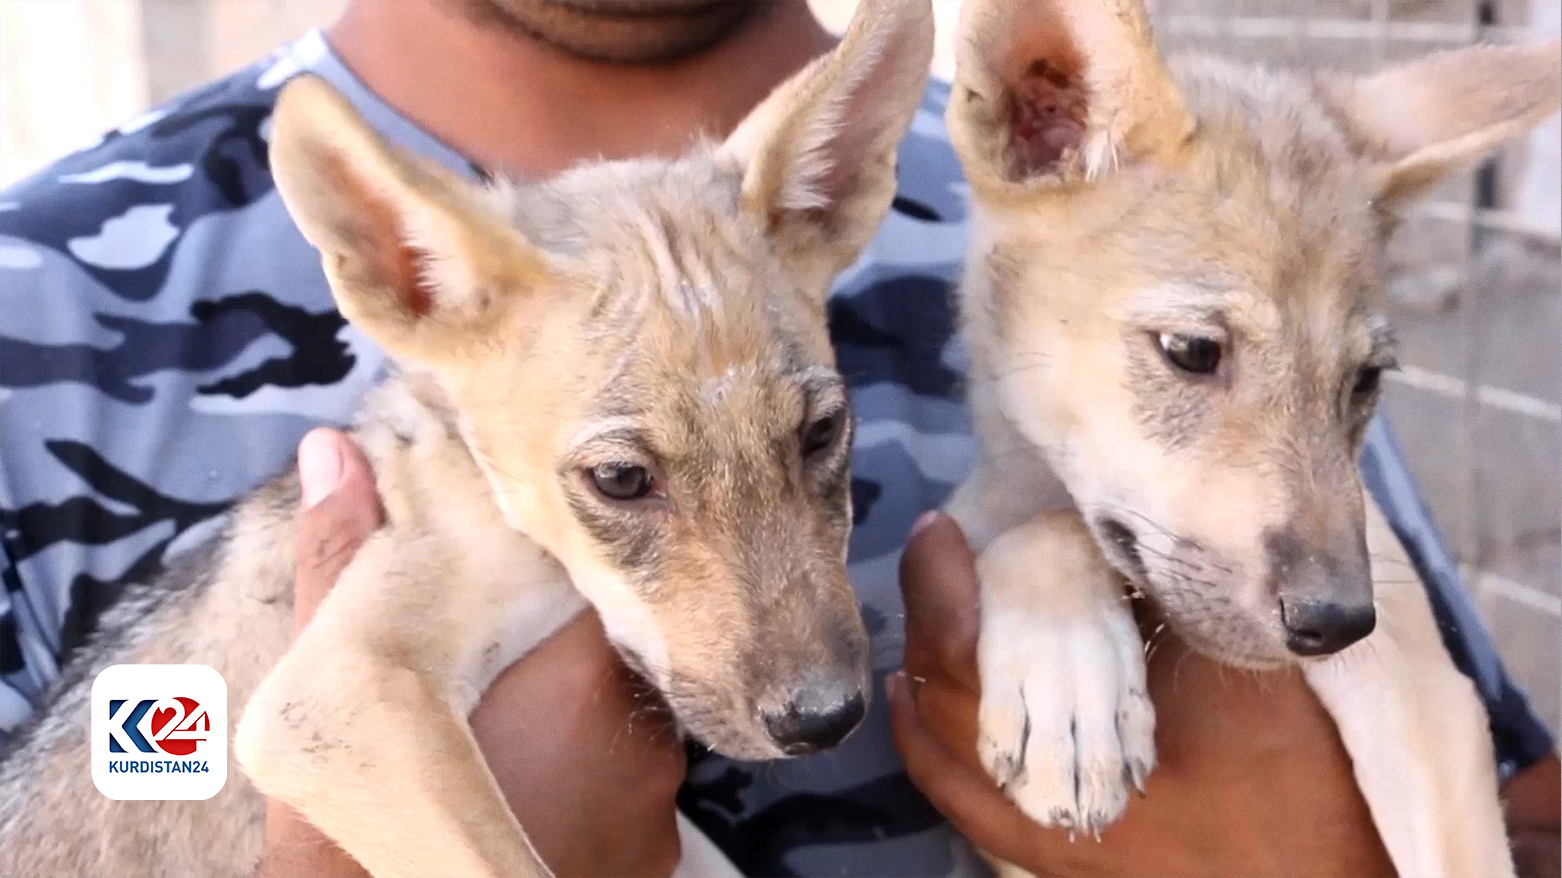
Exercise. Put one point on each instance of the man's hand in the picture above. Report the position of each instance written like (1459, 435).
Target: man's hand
(589, 763)
(1246, 758)
(340, 510)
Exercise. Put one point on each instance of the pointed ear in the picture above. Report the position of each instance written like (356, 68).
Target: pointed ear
(819, 153)
(1050, 92)
(414, 256)
(1422, 121)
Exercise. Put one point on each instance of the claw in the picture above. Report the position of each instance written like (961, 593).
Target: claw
(1137, 773)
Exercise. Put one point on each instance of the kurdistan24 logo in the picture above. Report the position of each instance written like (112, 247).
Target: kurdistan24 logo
(159, 732)
(170, 727)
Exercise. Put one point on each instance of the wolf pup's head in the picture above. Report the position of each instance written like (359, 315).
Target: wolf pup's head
(1175, 293)
(640, 361)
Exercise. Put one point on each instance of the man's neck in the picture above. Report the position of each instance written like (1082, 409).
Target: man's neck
(514, 104)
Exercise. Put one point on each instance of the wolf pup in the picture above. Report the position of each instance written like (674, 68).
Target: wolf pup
(1174, 306)
(616, 387)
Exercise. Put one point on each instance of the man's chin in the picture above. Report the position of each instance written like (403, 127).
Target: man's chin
(646, 32)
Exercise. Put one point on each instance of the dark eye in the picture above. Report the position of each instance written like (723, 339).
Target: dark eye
(1190, 353)
(618, 481)
(821, 434)
(1367, 380)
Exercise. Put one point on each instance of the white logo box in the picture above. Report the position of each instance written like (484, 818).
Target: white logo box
(164, 710)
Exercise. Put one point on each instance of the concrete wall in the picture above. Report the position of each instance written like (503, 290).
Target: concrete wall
(69, 69)
(1539, 189)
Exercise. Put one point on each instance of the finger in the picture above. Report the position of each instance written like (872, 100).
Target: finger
(938, 583)
(590, 738)
(574, 686)
(341, 509)
(968, 798)
(293, 847)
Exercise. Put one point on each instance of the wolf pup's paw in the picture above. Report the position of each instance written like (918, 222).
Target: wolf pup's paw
(1066, 723)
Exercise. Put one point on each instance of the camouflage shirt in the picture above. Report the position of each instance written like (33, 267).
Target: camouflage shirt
(166, 338)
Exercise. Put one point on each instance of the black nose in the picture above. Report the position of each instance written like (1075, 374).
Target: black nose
(1320, 627)
(815, 721)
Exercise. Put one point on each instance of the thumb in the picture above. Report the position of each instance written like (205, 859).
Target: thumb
(340, 509)
(939, 584)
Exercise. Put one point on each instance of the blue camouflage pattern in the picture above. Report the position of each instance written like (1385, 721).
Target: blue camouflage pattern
(167, 337)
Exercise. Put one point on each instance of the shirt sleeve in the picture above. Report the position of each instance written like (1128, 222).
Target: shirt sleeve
(18, 683)
(166, 336)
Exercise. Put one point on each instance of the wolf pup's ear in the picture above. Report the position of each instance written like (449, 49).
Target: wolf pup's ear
(1056, 92)
(1421, 121)
(414, 257)
(819, 153)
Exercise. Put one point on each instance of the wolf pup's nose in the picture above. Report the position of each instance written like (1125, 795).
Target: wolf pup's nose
(1315, 627)
(816, 719)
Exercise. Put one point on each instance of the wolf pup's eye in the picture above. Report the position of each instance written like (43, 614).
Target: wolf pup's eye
(821, 434)
(1190, 353)
(1367, 380)
(618, 481)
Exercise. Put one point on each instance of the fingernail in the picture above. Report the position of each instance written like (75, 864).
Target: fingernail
(900, 683)
(319, 466)
(895, 684)
(924, 520)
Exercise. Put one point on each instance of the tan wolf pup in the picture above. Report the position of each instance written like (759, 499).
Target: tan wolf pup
(1173, 302)
(616, 387)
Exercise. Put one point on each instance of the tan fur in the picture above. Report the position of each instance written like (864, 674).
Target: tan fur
(653, 314)
(1125, 205)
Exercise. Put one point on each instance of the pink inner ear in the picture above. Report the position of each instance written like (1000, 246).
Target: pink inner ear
(407, 270)
(395, 262)
(376, 231)
(1047, 119)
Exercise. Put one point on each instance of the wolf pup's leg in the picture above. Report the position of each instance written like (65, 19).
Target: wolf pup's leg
(362, 726)
(1066, 723)
(1416, 731)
